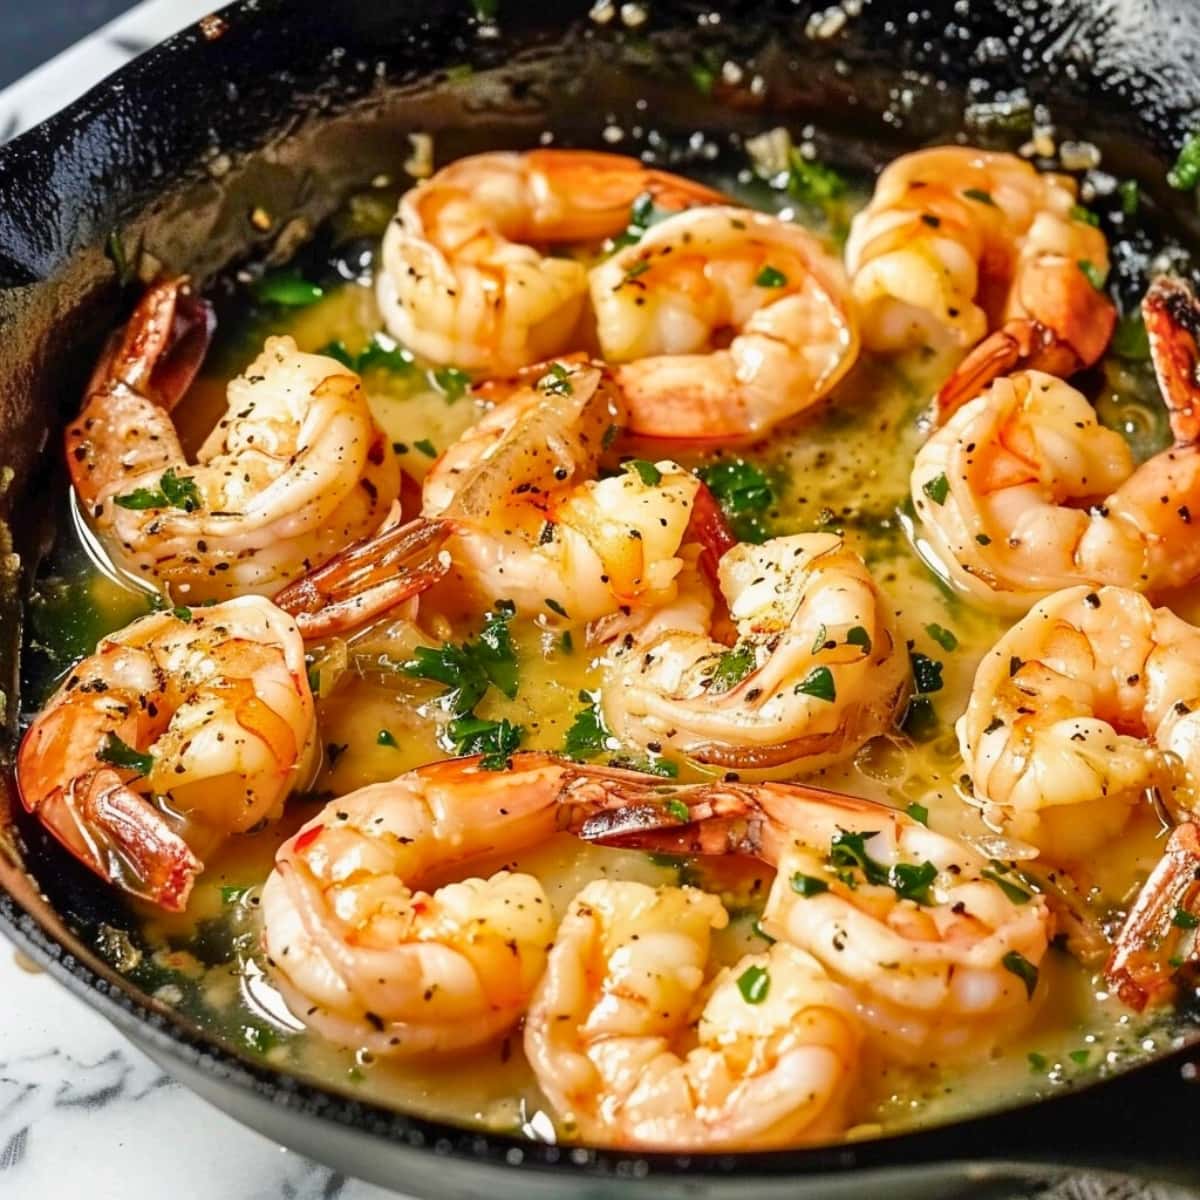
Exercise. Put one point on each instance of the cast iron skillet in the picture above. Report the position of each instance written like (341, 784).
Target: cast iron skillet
(287, 105)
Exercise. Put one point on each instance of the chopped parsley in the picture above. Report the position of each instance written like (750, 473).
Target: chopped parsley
(819, 684)
(848, 852)
(231, 895)
(452, 383)
(1023, 969)
(495, 740)
(812, 182)
(770, 277)
(639, 268)
(744, 494)
(1096, 276)
(1185, 174)
(587, 735)
(1079, 213)
(918, 812)
(1130, 340)
(997, 873)
(554, 606)
(979, 196)
(1182, 919)
(858, 636)
(180, 613)
(173, 491)
(642, 215)
(678, 810)
(647, 472)
(287, 289)
(117, 753)
(385, 737)
(919, 721)
(754, 983)
(732, 667)
(1128, 193)
(911, 881)
(927, 673)
(556, 381)
(937, 488)
(942, 636)
(808, 885)
(383, 354)
(426, 447)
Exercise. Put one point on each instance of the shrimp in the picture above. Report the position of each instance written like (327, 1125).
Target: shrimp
(663, 304)
(180, 729)
(773, 1052)
(939, 946)
(367, 958)
(295, 468)
(1087, 704)
(817, 669)
(957, 242)
(532, 523)
(461, 282)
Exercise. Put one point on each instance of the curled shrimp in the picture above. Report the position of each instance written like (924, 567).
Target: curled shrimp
(609, 1028)
(959, 242)
(816, 671)
(1088, 703)
(366, 957)
(663, 304)
(294, 469)
(939, 946)
(462, 282)
(179, 730)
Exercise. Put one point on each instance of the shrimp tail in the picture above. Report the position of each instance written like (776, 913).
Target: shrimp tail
(1172, 316)
(162, 346)
(1143, 965)
(120, 836)
(368, 578)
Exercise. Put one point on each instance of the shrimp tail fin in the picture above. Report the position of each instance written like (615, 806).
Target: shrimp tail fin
(368, 578)
(163, 345)
(1144, 962)
(1172, 316)
(119, 835)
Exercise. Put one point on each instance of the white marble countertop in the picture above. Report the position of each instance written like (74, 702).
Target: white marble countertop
(82, 1113)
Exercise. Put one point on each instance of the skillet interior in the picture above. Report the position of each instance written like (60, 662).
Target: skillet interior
(288, 107)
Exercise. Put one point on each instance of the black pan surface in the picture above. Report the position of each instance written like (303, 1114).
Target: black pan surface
(291, 104)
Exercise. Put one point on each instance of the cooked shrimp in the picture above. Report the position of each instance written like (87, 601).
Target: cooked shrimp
(180, 729)
(770, 1063)
(816, 671)
(663, 305)
(532, 523)
(367, 958)
(295, 469)
(462, 282)
(939, 946)
(958, 242)
(1024, 492)
(1083, 707)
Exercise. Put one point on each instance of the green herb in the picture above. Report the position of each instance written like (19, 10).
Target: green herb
(385, 738)
(554, 606)
(819, 684)
(769, 277)
(566, 643)
(639, 268)
(1127, 190)
(754, 983)
(117, 753)
(495, 740)
(813, 183)
(1079, 1056)
(703, 77)
(383, 354)
(744, 494)
(820, 640)
(452, 383)
(115, 250)
(287, 289)
(1095, 275)
(649, 766)
(979, 196)
(927, 673)
(426, 447)
(314, 681)
(1037, 1062)
(485, 10)
(732, 667)
(918, 812)
(1130, 340)
(1185, 174)
(808, 885)
(759, 931)
(642, 215)
(858, 636)
(647, 472)
(587, 735)
(468, 669)
(849, 851)
(1079, 213)
(1023, 969)
(937, 488)
(919, 721)
(231, 895)
(943, 637)
(1184, 919)
(556, 381)
(678, 810)
(1018, 895)
(182, 614)
(911, 881)
(173, 491)
(259, 1038)
(337, 349)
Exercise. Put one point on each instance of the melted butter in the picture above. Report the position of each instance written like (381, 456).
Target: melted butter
(844, 467)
